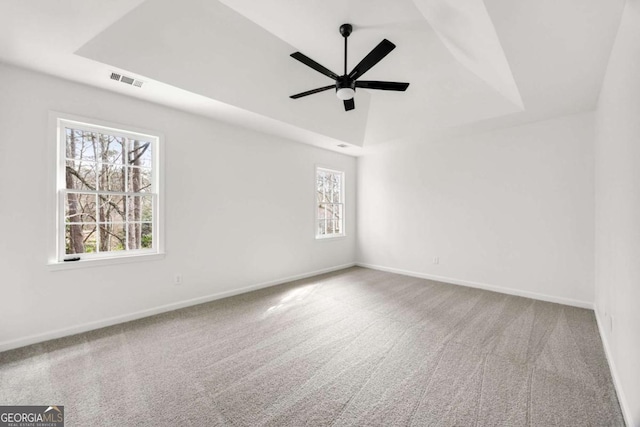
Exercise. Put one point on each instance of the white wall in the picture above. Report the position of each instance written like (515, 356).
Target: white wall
(510, 210)
(618, 211)
(239, 212)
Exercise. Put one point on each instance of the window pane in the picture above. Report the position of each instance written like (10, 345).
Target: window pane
(337, 189)
(139, 180)
(81, 145)
(146, 236)
(80, 207)
(321, 211)
(112, 237)
(111, 208)
(330, 211)
(111, 178)
(326, 190)
(80, 238)
(134, 208)
(318, 188)
(147, 208)
(140, 235)
(80, 175)
(140, 208)
(140, 154)
(112, 149)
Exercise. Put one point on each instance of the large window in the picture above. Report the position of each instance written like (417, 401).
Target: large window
(107, 192)
(329, 203)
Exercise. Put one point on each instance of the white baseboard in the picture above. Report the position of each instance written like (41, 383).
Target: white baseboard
(500, 289)
(89, 326)
(626, 413)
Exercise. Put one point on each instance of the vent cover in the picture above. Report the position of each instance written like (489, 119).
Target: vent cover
(127, 80)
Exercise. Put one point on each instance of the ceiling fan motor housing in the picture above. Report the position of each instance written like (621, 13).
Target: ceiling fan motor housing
(345, 87)
(345, 82)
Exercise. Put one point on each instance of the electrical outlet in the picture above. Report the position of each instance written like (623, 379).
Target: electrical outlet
(177, 279)
(436, 260)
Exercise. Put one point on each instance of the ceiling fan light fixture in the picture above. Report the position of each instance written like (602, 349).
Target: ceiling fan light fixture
(345, 93)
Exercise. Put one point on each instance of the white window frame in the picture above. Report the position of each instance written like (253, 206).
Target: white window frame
(341, 202)
(58, 123)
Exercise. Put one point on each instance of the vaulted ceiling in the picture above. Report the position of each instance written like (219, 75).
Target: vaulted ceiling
(472, 64)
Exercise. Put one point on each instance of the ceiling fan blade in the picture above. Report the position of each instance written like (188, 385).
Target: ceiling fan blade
(378, 52)
(313, 64)
(311, 92)
(349, 104)
(371, 84)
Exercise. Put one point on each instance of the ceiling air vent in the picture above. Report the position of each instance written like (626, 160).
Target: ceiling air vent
(342, 145)
(127, 80)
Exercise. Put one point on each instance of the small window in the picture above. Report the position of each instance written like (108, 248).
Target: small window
(329, 203)
(108, 192)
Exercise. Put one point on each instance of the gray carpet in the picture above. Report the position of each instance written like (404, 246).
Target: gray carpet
(355, 347)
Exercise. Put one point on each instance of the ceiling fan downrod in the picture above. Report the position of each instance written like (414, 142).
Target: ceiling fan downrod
(345, 87)
(345, 30)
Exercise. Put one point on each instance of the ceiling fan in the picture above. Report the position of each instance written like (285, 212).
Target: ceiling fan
(346, 84)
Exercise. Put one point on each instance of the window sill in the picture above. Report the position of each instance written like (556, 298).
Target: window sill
(331, 237)
(86, 263)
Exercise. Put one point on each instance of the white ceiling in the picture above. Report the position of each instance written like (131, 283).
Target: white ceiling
(472, 64)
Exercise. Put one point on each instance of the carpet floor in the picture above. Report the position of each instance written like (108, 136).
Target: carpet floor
(356, 347)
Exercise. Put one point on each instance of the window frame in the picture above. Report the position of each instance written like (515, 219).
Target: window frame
(342, 202)
(58, 123)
